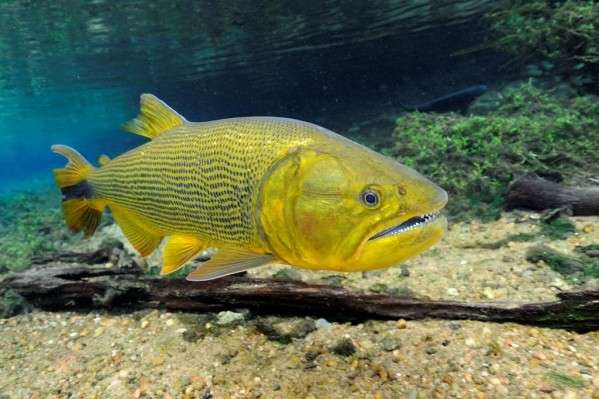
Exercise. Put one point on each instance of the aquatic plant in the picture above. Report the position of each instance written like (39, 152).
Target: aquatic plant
(11, 304)
(476, 157)
(30, 225)
(566, 33)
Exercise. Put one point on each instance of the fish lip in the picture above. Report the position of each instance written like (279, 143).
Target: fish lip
(415, 222)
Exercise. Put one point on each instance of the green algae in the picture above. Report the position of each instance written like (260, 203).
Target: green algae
(563, 34)
(578, 269)
(30, 225)
(557, 226)
(475, 158)
(12, 304)
(565, 380)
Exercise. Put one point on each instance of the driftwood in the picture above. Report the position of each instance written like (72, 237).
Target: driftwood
(60, 287)
(533, 192)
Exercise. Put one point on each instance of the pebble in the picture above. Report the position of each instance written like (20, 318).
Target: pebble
(488, 293)
(470, 342)
(322, 323)
(390, 344)
(344, 347)
(452, 291)
(227, 317)
(401, 324)
(144, 323)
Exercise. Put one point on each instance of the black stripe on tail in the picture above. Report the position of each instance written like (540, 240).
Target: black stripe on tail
(80, 190)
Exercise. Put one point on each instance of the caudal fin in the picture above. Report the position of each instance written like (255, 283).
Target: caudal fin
(82, 212)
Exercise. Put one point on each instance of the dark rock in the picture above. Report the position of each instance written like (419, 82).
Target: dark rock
(288, 274)
(592, 251)
(344, 347)
(404, 271)
(284, 330)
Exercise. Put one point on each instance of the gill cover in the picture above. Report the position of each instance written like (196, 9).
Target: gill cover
(301, 210)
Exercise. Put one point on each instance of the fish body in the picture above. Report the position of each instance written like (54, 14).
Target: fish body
(259, 190)
(458, 101)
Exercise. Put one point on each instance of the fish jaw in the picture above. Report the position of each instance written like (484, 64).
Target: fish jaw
(392, 249)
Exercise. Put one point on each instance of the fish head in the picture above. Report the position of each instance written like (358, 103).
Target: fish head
(347, 208)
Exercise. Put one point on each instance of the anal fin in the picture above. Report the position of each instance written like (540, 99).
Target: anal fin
(228, 261)
(139, 233)
(179, 250)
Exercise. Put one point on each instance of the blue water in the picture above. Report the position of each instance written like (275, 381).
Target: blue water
(71, 71)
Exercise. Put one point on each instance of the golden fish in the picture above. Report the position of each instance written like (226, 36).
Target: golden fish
(258, 189)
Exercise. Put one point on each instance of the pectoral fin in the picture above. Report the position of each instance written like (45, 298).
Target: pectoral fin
(178, 251)
(228, 261)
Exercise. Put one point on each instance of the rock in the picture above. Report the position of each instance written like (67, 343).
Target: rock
(430, 351)
(322, 323)
(404, 271)
(284, 330)
(227, 317)
(402, 324)
(488, 293)
(452, 291)
(334, 280)
(288, 273)
(344, 347)
(390, 344)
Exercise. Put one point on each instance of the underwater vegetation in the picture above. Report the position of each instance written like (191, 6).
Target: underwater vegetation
(563, 33)
(474, 158)
(30, 225)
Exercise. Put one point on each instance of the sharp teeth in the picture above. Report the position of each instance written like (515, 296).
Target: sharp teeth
(407, 225)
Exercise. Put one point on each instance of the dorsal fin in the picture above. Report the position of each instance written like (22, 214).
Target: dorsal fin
(155, 118)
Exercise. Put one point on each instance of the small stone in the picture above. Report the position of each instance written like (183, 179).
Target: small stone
(144, 323)
(588, 228)
(470, 342)
(430, 351)
(344, 347)
(488, 293)
(322, 323)
(390, 344)
(404, 271)
(288, 274)
(452, 291)
(227, 317)
(539, 355)
(401, 324)
(170, 322)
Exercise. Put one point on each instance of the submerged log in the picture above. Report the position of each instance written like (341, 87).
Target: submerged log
(533, 192)
(59, 287)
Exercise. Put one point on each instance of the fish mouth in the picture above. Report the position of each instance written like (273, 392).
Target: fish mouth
(410, 224)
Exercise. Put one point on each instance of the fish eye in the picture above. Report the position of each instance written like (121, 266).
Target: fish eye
(370, 198)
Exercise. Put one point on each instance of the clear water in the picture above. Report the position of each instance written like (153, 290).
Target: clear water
(71, 71)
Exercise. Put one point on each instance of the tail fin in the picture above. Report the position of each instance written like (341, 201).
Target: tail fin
(81, 210)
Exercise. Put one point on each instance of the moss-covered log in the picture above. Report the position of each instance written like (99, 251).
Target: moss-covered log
(533, 192)
(59, 287)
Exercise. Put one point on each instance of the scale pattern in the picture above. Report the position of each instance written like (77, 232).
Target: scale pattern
(202, 178)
